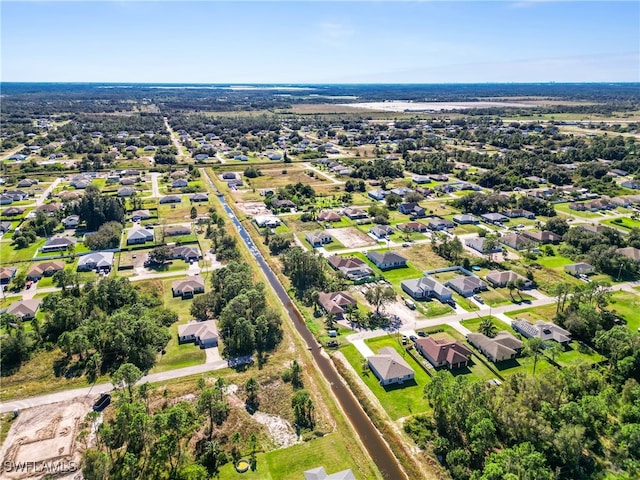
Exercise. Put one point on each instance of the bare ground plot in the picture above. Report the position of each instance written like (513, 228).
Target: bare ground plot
(47, 436)
(351, 237)
(283, 175)
(253, 208)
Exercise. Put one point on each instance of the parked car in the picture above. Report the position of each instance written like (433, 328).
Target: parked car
(422, 334)
(478, 298)
(404, 339)
(413, 338)
(102, 402)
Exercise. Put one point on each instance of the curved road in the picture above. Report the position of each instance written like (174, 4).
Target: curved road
(371, 438)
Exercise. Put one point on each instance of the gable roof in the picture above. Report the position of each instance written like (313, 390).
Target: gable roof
(389, 364)
(100, 259)
(463, 283)
(335, 302)
(195, 282)
(443, 350)
(345, 262)
(385, 257)
(328, 216)
(630, 252)
(43, 267)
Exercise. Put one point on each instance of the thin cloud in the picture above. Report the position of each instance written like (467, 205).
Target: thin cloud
(335, 34)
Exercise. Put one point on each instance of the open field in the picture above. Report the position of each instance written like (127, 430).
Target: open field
(627, 305)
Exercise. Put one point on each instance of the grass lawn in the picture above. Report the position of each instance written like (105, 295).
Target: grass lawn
(398, 400)
(465, 303)
(627, 305)
(576, 353)
(554, 261)
(533, 314)
(9, 254)
(330, 451)
(394, 275)
(495, 297)
(474, 324)
(432, 308)
(624, 222)
(564, 208)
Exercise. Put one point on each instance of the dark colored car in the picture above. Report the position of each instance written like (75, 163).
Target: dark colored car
(422, 334)
(102, 402)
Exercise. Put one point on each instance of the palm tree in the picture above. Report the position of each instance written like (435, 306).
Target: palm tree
(487, 327)
(533, 347)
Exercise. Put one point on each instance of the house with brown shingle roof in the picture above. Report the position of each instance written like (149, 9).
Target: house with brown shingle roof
(412, 227)
(504, 346)
(515, 241)
(6, 274)
(443, 352)
(353, 268)
(336, 303)
(630, 252)
(499, 278)
(25, 309)
(44, 269)
(544, 236)
(328, 216)
(389, 367)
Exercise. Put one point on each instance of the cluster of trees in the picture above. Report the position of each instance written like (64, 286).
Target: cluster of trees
(142, 442)
(376, 169)
(107, 236)
(479, 203)
(245, 323)
(298, 193)
(252, 172)
(98, 327)
(305, 270)
(42, 225)
(95, 209)
(600, 250)
(533, 427)
(225, 245)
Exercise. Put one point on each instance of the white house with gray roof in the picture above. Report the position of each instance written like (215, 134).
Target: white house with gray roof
(426, 287)
(389, 367)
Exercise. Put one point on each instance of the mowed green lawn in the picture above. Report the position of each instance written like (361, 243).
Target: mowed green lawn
(627, 305)
(397, 400)
(474, 324)
(9, 254)
(624, 222)
(554, 261)
(394, 275)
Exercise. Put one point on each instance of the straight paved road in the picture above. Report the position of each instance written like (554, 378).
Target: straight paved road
(94, 390)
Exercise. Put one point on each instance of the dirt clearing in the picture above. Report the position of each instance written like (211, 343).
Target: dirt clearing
(351, 237)
(43, 442)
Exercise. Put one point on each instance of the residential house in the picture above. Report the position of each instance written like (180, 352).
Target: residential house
(188, 288)
(102, 261)
(519, 213)
(25, 309)
(515, 241)
(282, 203)
(171, 199)
(321, 474)
(544, 236)
(577, 269)
(16, 195)
(48, 209)
(179, 174)
(199, 197)
(266, 221)
(597, 228)
(419, 179)
(466, 285)
(137, 235)
(318, 239)
(176, 230)
(328, 216)
(26, 183)
(336, 303)
(138, 215)
(412, 227)
(6, 274)
(478, 244)
(12, 211)
(128, 181)
(633, 185)
(6, 199)
(44, 269)
(413, 209)
(499, 279)
(439, 178)
(389, 367)
(466, 219)
(5, 227)
(203, 334)
(353, 268)
(187, 253)
(179, 183)
(494, 218)
(630, 252)
(381, 232)
(201, 157)
(355, 213)
(545, 331)
(387, 260)
(504, 346)
(437, 223)
(72, 221)
(426, 287)
(56, 244)
(378, 194)
(401, 191)
(443, 352)
(127, 192)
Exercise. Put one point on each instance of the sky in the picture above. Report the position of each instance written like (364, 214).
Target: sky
(320, 42)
